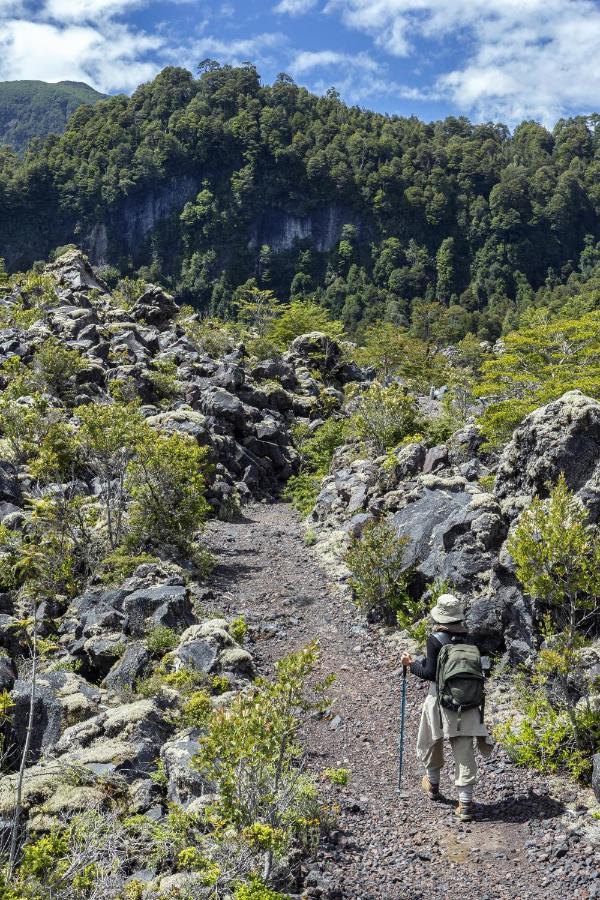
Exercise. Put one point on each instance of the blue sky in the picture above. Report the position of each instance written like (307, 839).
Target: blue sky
(489, 59)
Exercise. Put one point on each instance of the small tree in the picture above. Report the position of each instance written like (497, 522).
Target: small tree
(557, 557)
(301, 317)
(167, 481)
(379, 578)
(385, 416)
(252, 754)
(109, 434)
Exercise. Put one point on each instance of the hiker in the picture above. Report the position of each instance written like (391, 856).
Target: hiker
(438, 722)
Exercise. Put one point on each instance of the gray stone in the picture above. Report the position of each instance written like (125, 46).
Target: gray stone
(185, 782)
(167, 605)
(596, 775)
(563, 436)
(127, 670)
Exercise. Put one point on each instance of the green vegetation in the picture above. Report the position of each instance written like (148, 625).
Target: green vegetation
(538, 364)
(340, 777)
(557, 558)
(251, 753)
(378, 574)
(446, 228)
(316, 450)
(385, 416)
(35, 109)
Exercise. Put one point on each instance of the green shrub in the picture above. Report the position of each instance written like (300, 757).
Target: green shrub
(251, 753)
(57, 366)
(301, 317)
(163, 377)
(337, 776)
(196, 710)
(167, 481)
(537, 365)
(316, 450)
(257, 890)
(545, 738)
(385, 416)
(161, 640)
(378, 575)
(120, 565)
(238, 629)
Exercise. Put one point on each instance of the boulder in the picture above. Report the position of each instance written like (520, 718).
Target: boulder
(154, 306)
(163, 604)
(124, 740)
(184, 782)
(123, 675)
(10, 488)
(561, 437)
(61, 699)
(596, 774)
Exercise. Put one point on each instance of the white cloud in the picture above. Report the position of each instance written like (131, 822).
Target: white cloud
(295, 7)
(87, 10)
(257, 49)
(109, 59)
(307, 60)
(526, 58)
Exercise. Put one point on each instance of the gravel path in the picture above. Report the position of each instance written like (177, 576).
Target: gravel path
(529, 839)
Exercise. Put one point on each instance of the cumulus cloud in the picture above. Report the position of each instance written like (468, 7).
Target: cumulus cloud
(295, 7)
(109, 59)
(307, 60)
(536, 58)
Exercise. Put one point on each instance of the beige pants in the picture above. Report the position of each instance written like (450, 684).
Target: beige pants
(465, 766)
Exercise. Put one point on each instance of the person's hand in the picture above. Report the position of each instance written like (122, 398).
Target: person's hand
(406, 659)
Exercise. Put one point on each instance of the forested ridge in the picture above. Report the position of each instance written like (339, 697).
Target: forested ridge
(34, 109)
(449, 221)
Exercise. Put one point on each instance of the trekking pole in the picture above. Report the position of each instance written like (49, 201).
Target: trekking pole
(399, 791)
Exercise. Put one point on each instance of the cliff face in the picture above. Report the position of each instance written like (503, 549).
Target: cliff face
(126, 231)
(280, 229)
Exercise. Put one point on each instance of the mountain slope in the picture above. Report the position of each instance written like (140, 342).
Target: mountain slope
(209, 182)
(35, 109)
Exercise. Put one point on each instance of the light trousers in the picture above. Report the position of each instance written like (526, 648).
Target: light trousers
(465, 766)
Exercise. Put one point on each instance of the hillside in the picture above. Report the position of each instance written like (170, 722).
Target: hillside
(35, 109)
(168, 626)
(206, 183)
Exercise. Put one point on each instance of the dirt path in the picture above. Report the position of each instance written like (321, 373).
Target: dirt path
(387, 848)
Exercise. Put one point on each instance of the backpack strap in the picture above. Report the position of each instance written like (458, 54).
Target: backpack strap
(443, 638)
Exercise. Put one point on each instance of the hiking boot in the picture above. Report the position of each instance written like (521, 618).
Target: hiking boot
(432, 790)
(464, 811)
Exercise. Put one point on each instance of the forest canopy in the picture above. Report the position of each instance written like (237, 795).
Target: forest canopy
(467, 222)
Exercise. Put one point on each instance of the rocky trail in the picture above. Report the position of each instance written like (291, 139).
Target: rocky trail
(529, 838)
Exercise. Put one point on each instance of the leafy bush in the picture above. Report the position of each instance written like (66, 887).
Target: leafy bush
(57, 366)
(163, 377)
(385, 416)
(337, 776)
(301, 317)
(536, 365)
(556, 552)
(256, 889)
(251, 753)
(167, 480)
(316, 450)
(238, 629)
(196, 709)
(118, 566)
(161, 640)
(378, 578)
(393, 351)
(549, 739)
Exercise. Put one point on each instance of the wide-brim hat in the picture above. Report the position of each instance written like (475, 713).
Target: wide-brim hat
(447, 610)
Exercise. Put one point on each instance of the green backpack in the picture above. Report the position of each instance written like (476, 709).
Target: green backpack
(459, 677)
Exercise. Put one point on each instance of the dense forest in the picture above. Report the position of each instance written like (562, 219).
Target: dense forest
(374, 216)
(35, 109)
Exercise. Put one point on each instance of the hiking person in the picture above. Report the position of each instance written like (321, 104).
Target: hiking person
(444, 716)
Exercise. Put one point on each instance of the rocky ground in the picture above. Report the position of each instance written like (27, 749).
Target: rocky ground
(532, 838)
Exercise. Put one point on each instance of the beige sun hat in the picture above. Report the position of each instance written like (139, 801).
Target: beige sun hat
(447, 610)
